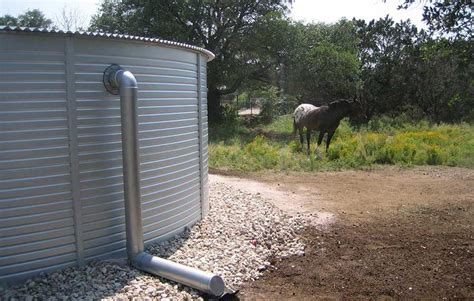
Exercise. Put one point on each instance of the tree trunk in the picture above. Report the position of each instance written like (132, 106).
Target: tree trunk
(214, 105)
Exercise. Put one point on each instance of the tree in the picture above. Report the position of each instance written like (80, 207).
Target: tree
(240, 33)
(34, 18)
(448, 16)
(8, 20)
(405, 70)
(31, 18)
(70, 19)
(322, 62)
(386, 51)
(444, 73)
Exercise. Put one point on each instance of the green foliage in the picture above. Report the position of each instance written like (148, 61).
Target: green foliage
(230, 115)
(333, 72)
(384, 141)
(34, 18)
(391, 67)
(30, 18)
(269, 99)
(242, 35)
(282, 124)
(322, 62)
(242, 101)
(405, 70)
(445, 86)
(285, 105)
(229, 133)
(8, 20)
(447, 17)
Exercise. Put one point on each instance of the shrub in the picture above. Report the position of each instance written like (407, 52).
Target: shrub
(269, 98)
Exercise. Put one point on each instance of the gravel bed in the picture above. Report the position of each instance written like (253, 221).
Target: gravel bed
(237, 240)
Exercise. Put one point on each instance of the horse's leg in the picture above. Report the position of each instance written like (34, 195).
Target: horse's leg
(295, 127)
(330, 134)
(300, 131)
(308, 138)
(320, 139)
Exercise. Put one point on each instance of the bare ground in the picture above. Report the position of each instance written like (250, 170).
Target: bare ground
(253, 111)
(381, 233)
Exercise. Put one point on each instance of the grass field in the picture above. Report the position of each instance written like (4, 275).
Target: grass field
(382, 141)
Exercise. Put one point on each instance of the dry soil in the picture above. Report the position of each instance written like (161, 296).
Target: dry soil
(380, 233)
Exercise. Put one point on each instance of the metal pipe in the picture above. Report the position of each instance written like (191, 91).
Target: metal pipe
(131, 162)
(118, 81)
(192, 277)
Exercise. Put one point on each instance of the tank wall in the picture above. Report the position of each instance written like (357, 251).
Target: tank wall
(204, 135)
(36, 207)
(84, 124)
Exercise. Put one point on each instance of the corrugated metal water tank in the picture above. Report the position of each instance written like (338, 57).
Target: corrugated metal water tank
(61, 188)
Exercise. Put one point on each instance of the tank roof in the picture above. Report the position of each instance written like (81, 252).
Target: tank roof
(116, 36)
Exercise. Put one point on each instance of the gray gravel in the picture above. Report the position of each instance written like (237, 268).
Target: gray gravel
(236, 240)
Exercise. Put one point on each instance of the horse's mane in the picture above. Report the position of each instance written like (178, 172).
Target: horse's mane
(340, 102)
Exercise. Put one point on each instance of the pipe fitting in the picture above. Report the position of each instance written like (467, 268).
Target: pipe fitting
(203, 281)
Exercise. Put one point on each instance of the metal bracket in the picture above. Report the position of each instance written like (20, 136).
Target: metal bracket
(109, 80)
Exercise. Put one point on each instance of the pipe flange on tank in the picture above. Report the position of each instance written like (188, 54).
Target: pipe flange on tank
(109, 79)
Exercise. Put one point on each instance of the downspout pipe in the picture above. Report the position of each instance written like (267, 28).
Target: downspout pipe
(119, 81)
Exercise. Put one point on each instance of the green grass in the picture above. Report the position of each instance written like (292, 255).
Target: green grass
(382, 141)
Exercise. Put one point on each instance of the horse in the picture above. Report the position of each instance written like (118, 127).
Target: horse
(324, 119)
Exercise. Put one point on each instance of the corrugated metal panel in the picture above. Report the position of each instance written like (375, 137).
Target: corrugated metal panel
(36, 224)
(61, 186)
(167, 80)
(204, 138)
(103, 35)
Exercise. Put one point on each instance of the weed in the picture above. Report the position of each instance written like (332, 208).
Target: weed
(382, 141)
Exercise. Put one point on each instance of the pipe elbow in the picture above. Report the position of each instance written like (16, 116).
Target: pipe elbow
(116, 79)
(140, 260)
(126, 79)
(203, 281)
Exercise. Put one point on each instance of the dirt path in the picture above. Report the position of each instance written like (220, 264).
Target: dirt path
(382, 233)
(288, 201)
(254, 111)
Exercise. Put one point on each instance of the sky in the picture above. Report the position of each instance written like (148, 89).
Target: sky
(328, 11)
(51, 8)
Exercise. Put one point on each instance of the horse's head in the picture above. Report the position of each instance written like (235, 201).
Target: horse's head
(348, 107)
(356, 109)
(344, 106)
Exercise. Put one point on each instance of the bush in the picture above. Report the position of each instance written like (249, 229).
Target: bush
(242, 101)
(229, 114)
(269, 98)
(285, 105)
